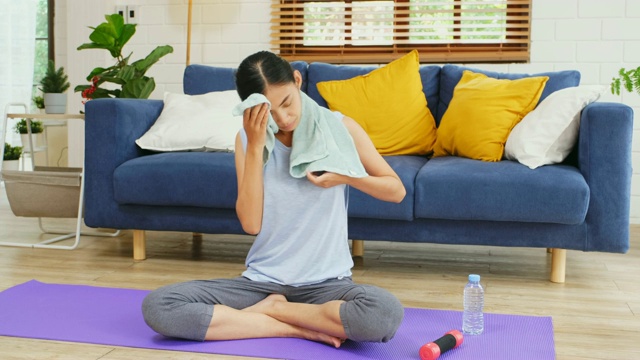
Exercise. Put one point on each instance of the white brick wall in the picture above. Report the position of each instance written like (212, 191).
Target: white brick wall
(592, 36)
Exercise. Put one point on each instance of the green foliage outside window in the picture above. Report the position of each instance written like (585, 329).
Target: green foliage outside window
(42, 44)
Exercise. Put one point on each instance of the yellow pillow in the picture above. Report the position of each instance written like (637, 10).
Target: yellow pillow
(482, 113)
(389, 105)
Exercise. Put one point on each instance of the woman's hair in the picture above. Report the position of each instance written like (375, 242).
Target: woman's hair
(259, 70)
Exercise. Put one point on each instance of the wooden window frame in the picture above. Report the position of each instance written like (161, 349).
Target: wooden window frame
(515, 48)
(51, 12)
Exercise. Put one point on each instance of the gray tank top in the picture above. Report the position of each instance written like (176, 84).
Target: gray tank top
(304, 237)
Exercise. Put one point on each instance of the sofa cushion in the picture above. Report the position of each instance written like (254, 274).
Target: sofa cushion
(389, 104)
(203, 179)
(549, 133)
(450, 75)
(457, 188)
(364, 206)
(195, 122)
(319, 72)
(221, 78)
(482, 113)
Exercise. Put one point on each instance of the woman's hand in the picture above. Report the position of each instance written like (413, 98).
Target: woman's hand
(254, 121)
(326, 179)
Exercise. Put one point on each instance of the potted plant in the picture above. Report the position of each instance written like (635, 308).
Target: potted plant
(38, 101)
(11, 157)
(36, 129)
(129, 78)
(53, 85)
(627, 79)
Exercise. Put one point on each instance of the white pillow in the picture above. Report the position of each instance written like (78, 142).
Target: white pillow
(195, 122)
(547, 134)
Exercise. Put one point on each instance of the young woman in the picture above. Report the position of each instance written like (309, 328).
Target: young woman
(298, 278)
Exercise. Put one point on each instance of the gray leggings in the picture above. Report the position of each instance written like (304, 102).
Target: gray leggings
(184, 310)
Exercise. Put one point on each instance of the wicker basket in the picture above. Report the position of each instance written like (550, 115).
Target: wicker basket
(46, 192)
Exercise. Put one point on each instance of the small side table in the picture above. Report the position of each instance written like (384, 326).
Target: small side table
(56, 119)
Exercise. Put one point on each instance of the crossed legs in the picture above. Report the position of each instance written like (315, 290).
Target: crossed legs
(240, 308)
(276, 317)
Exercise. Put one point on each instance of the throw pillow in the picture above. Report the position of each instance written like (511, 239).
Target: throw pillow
(549, 132)
(389, 104)
(195, 123)
(482, 113)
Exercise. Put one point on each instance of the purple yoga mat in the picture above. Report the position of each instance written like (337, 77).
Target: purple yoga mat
(109, 316)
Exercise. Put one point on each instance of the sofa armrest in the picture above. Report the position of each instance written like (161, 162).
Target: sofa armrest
(604, 159)
(111, 128)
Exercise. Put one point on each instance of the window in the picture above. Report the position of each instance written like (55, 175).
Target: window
(377, 31)
(44, 41)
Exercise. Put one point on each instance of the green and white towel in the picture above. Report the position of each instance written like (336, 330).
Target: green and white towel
(320, 142)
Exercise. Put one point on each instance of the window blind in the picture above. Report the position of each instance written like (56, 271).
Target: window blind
(377, 31)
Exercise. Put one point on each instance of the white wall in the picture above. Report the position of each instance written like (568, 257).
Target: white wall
(595, 37)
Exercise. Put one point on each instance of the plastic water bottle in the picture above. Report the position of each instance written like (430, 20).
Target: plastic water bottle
(473, 318)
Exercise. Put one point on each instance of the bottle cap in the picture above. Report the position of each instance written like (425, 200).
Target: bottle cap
(474, 277)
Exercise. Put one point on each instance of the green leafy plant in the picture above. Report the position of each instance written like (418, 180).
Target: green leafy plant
(21, 127)
(11, 152)
(38, 101)
(54, 81)
(112, 35)
(627, 79)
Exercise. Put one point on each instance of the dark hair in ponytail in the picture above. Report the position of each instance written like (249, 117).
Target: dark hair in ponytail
(259, 70)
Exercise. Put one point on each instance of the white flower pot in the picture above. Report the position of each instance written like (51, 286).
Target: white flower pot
(10, 164)
(37, 140)
(55, 103)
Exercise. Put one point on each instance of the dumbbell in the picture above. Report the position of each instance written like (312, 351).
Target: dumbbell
(433, 350)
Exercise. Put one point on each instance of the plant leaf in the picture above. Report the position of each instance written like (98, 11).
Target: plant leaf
(139, 88)
(104, 93)
(615, 86)
(93, 46)
(96, 71)
(112, 79)
(81, 88)
(127, 72)
(143, 65)
(127, 32)
(116, 23)
(636, 79)
(104, 34)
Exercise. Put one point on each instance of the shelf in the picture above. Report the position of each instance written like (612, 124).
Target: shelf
(46, 116)
(23, 185)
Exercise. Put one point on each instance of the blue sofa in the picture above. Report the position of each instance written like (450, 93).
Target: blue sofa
(581, 204)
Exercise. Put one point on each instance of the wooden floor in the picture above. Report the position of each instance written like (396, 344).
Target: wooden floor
(596, 313)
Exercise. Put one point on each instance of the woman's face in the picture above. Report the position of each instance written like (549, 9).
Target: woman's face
(286, 106)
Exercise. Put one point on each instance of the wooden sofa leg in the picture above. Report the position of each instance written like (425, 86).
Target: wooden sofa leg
(196, 242)
(357, 248)
(558, 265)
(139, 245)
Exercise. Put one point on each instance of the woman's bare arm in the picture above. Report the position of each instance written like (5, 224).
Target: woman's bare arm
(249, 169)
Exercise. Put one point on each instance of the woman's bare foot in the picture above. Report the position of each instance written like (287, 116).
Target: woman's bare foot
(265, 305)
(320, 337)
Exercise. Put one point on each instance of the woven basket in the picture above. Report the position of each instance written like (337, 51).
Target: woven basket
(46, 192)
